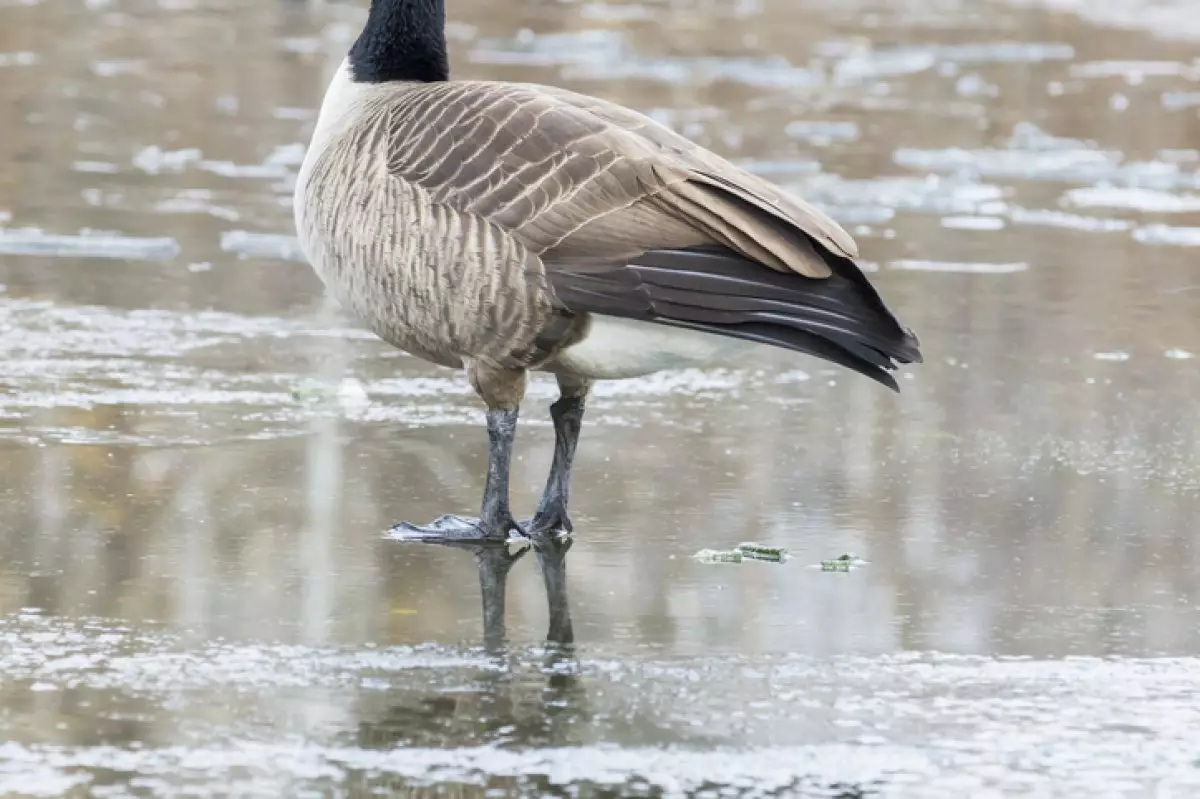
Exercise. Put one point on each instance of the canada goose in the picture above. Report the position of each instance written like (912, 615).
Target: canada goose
(506, 227)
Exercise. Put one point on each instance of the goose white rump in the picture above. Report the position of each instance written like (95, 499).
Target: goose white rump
(620, 348)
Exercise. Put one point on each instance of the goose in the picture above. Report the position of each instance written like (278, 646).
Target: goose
(501, 228)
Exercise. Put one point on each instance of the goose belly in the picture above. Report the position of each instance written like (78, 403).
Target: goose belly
(620, 348)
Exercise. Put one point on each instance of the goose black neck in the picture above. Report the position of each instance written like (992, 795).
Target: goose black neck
(402, 40)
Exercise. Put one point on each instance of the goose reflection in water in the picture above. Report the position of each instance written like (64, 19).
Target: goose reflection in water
(504, 705)
(513, 704)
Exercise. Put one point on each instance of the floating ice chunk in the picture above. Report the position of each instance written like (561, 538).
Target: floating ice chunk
(1134, 72)
(1048, 164)
(1174, 101)
(861, 215)
(156, 160)
(98, 167)
(883, 64)
(195, 201)
(228, 169)
(822, 132)
(1168, 235)
(262, 245)
(1005, 52)
(973, 223)
(18, 59)
(1135, 199)
(1024, 216)
(951, 266)
(973, 85)
(31, 241)
(111, 68)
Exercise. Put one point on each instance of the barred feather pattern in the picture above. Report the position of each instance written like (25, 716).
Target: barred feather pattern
(424, 275)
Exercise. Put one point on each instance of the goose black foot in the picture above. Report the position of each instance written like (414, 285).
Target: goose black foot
(553, 522)
(458, 529)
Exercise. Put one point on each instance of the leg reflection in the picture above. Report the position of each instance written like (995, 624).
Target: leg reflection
(563, 699)
(495, 560)
(552, 548)
(517, 702)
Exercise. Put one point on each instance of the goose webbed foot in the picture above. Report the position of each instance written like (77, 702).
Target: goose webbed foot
(447, 529)
(495, 521)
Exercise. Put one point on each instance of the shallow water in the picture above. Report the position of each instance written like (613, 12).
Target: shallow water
(201, 453)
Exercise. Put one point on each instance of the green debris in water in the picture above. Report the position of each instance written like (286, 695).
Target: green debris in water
(313, 392)
(347, 393)
(746, 550)
(844, 563)
(762, 552)
(719, 556)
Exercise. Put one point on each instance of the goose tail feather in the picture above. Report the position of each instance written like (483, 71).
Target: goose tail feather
(839, 318)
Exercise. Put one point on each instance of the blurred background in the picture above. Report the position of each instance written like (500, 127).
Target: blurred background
(200, 453)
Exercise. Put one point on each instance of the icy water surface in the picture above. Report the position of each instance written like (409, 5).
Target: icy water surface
(201, 454)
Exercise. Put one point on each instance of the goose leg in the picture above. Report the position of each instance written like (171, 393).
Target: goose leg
(567, 414)
(502, 390)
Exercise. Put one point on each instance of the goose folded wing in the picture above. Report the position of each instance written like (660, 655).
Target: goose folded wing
(571, 183)
(629, 219)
